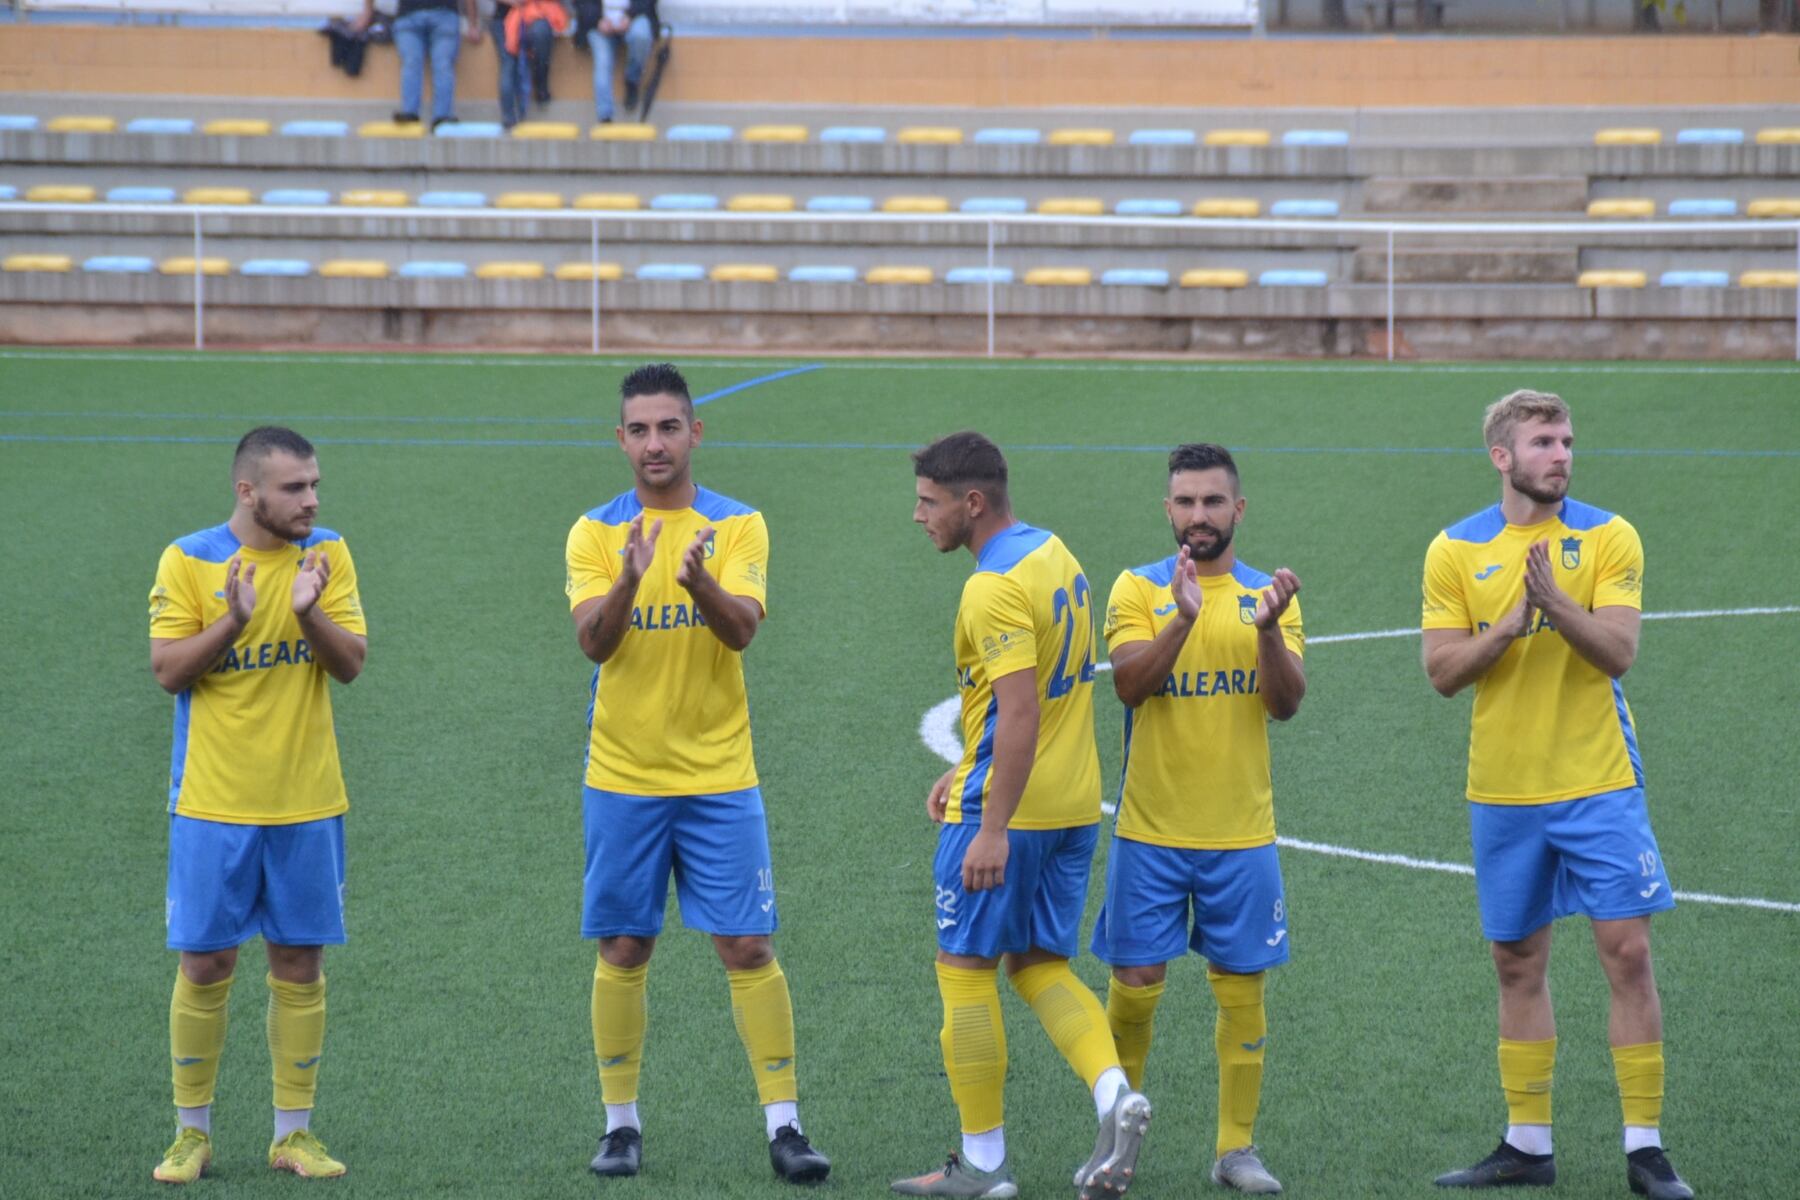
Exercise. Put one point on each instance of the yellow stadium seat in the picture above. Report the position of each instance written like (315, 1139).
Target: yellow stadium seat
(1227, 207)
(61, 264)
(930, 135)
(1610, 279)
(60, 193)
(915, 204)
(1237, 137)
(185, 266)
(353, 268)
(1789, 207)
(1628, 137)
(218, 195)
(627, 131)
(528, 200)
(510, 270)
(1770, 279)
(744, 273)
(609, 201)
(760, 203)
(1779, 136)
(388, 129)
(898, 275)
(605, 272)
(238, 126)
(546, 131)
(775, 133)
(74, 124)
(1059, 276)
(1082, 137)
(373, 198)
(1214, 277)
(1072, 206)
(1621, 207)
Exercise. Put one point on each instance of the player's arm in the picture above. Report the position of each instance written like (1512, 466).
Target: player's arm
(602, 621)
(732, 619)
(1455, 658)
(1015, 750)
(1280, 673)
(178, 662)
(340, 651)
(1606, 637)
(1141, 667)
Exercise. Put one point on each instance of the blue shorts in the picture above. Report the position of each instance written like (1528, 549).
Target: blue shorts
(1038, 907)
(718, 847)
(1239, 912)
(1537, 862)
(228, 883)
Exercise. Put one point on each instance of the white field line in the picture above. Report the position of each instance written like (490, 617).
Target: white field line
(937, 729)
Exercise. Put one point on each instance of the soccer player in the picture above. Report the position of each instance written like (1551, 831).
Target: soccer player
(1535, 601)
(666, 583)
(1204, 651)
(248, 622)
(1020, 816)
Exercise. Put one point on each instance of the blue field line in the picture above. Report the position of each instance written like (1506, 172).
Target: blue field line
(757, 382)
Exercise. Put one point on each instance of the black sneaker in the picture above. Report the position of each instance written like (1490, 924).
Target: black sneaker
(443, 121)
(794, 1158)
(631, 96)
(1505, 1167)
(1648, 1172)
(406, 118)
(621, 1153)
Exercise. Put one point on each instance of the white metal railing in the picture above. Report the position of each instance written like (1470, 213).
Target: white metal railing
(595, 218)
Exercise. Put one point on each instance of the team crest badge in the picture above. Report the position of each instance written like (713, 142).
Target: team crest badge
(1571, 553)
(1247, 609)
(711, 546)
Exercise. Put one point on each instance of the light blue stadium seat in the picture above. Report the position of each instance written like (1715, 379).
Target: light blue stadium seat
(453, 200)
(1162, 137)
(841, 204)
(17, 123)
(978, 275)
(1288, 277)
(698, 133)
(315, 129)
(1315, 137)
(684, 202)
(1135, 277)
(992, 204)
(470, 129)
(160, 125)
(1720, 207)
(1304, 208)
(140, 195)
(290, 267)
(433, 270)
(296, 196)
(119, 264)
(853, 133)
(822, 275)
(1694, 279)
(1007, 137)
(8, 192)
(1709, 137)
(671, 272)
(1148, 208)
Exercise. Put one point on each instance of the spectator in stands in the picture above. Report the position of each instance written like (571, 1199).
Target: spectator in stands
(607, 25)
(531, 30)
(429, 28)
(512, 70)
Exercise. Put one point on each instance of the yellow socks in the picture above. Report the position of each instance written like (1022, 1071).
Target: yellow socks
(296, 1039)
(197, 1018)
(764, 1015)
(974, 1043)
(1526, 1069)
(1130, 1012)
(618, 1015)
(1239, 1036)
(1071, 1015)
(1639, 1070)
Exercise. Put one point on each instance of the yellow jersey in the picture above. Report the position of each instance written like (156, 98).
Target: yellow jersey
(1028, 607)
(254, 743)
(1196, 771)
(669, 716)
(1548, 725)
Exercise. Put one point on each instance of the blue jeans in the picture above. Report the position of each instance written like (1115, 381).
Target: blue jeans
(638, 38)
(436, 31)
(512, 77)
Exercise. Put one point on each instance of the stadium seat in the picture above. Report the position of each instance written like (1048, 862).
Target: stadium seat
(528, 200)
(546, 131)
(1072, 206)
(1678, 279)
(978, 275)
(1770, 279)
(452, 200)
(160, 125)
(822, 275)
(1007, 137)
(8, 192)
(79, 124)
(1610, 279)
(140, 195)
(1082, 137)
(390, 129)
(1134, 277)
(236, 127)
(684, 202)
(184, 265)
(326, 129)
(510, 270)
(1059, 277)
(297, 196)
(1628, 137)
(930, 135)
(622, 131)
(292, 268)
(775, 133)
(1709, 137)
(1227, 206)
(698, 133)
(841, 204)
(374, 198)
(1784, 207)
(1778, 136)
(1703, 208)
(119, 264)
(609, 201)
(915, 204)
(1148, 208)
(1304, 208)
(354, 268)
(859, 134)
(60, 193)
(57, 264)
(759, 202)
(587, 272)
(1162, 137)
(1214, 277)
(744, 273)
(426, 269)
(898, 275)
(1315, 137)
(218, 195)
(17, 123)
(670, 272)
(1288, 277)
(471, 130)
(991, 205)
(1237, 137)
(1619, 206)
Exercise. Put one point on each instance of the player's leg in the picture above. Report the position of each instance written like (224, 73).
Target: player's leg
(1143, 925)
